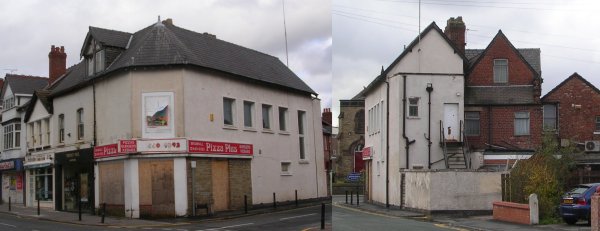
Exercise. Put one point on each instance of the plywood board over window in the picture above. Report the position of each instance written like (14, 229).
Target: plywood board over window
(112, 187)
(220, 184)
(157, 196)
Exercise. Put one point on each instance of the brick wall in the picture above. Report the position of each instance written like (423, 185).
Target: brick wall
(202, 181)
(347, 140)
(519, 72)
(511, 212)
(502, 127)
(576, 122)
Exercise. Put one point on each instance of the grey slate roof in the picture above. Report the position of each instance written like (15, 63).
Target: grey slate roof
(23, 84)
(110, 37)
(499, 95)
(165, 44)
(531, 55)
(74, 75)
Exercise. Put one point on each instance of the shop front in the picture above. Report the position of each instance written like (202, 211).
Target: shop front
(13, 184)
(39, 174)
(74, 176)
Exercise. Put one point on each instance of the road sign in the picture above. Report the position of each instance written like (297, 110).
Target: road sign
(354, 176)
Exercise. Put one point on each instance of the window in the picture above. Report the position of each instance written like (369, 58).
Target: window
(12, 136)
(47, 121)
(99, 58)
(282, 118)
(266, 113)
(228, 105)
(598, 123)
(61, 128)
(472, 123)
(43, 183)
(301, 118)
(521, 123)
(413, 107)
(79, 124)
(500, 71)
(248, 111)
(285, 168)
(90, 63)
(550, 117)
(359, 122)
(39, 132)
(9, 103)
(30, 130)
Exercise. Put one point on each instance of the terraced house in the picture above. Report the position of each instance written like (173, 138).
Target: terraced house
(154, 124)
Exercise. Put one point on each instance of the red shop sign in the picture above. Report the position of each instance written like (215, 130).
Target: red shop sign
(208, 147)
(366, 153)
(106, 151)
(127, 146)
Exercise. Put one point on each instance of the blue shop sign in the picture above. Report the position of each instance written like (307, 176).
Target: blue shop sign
(11, 165)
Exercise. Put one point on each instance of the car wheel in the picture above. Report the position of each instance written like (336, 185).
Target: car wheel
(570, 221)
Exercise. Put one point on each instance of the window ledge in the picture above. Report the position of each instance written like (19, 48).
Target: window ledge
(249, 129)
(284, 133)
(230, 127)
(413, 117)
(265, 130)
(304, 162)
(596, 133)
(286, 174)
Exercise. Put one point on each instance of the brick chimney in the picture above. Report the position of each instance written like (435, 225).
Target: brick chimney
(327, 116)
(455, 30)
(58, 63)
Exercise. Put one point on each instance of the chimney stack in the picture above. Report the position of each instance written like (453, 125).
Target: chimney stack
(455, 30)
(58, 63)
(327, 116)
(168, 21)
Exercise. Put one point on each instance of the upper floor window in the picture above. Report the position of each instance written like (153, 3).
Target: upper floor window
(9, 103)
(521, 123)
(61, 128)
(266, 116)
(248, 112)
(598, 123)
(359, 122)
(228, 111)
(47, 122)
(413, 107)
(500, 71)
(301, 115)
(550, 120)
(39, 133)
(95, 57)
(283, 118)
(99, 59)
(472, 123)
(12, 136)
(80, 124)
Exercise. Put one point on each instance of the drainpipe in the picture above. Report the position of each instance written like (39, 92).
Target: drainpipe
(407, 141)
(387, 146)
(489, 126)
(429, 89)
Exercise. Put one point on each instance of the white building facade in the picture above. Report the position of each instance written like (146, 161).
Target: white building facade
(408, 107)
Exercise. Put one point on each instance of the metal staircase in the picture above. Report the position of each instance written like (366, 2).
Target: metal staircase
(455, 151)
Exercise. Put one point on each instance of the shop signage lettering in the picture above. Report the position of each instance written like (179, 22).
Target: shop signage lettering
(162, 146)
(39, 159)
(106, 151)
(9, 165)
(207, 147)
(127, 146)
(366, 153)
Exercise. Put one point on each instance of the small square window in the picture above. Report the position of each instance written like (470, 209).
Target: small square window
(413, 107)
(285, 168)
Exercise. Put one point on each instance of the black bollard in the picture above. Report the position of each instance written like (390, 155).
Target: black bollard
(274, 201)
(296, 191)
(9, 204)
(322, 215)
(38, 207)
(79, 205)
(103, 212)
(351, 197)
(245, 203)
(357, 198)
(346, 196)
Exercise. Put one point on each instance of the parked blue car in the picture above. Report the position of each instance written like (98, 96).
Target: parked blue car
(576, 203)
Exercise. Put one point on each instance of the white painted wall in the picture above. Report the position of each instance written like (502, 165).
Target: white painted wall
(132, 188)
(180, 186)
(435, 59)
(68, 105)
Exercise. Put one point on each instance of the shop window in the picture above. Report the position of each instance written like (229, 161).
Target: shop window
(43, 183)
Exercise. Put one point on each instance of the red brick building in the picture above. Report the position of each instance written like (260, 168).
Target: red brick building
(572, 110)
(503, 116)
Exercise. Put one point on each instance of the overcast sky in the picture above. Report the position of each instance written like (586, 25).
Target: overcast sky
(28, 28)
(368, 34)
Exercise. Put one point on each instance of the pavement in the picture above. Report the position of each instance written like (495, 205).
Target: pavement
(48, 214)
(483, 223)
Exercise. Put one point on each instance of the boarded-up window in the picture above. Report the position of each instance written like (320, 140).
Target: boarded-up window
(521, 123)
(359, 122)
(472, 123)
(500, 71)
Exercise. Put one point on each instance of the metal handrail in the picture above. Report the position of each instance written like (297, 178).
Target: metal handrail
(443, 142)
(465, 147)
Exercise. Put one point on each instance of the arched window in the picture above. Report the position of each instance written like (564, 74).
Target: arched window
(359, 122)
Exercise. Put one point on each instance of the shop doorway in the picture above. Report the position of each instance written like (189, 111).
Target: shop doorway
(220, 184)
(157, 195)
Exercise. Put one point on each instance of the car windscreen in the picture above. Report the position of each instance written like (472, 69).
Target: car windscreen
(578, 190)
